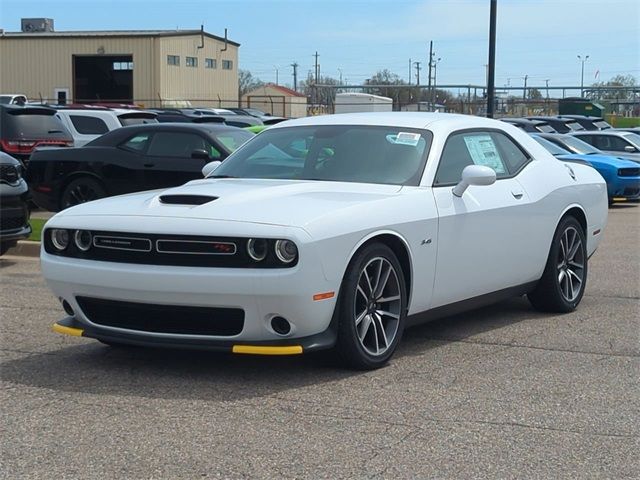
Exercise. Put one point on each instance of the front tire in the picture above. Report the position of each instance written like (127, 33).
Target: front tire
(372, 308)
(565, 275)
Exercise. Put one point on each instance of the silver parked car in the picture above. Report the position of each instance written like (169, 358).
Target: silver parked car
(613, 142)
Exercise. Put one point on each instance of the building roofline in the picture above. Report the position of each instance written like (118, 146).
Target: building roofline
(115, 34)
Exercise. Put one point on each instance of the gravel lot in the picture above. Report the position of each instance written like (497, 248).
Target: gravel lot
(502, 392)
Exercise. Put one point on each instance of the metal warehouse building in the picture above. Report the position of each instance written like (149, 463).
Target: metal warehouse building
(151, 68)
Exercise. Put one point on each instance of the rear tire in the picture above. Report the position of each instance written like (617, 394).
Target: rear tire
(371, 308)
(81, 190)
(565, 275)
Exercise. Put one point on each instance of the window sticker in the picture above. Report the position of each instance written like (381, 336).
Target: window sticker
(484, 152)
(405, 138)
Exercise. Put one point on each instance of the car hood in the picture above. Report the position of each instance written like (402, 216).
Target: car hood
(274, 202)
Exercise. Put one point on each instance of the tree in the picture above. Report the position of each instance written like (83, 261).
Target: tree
(534, 94)
(402, 93)
(613, 94)
(247, 82)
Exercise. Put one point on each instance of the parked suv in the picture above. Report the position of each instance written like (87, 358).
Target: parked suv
(14, 210)
(22, 129)
(87, 124)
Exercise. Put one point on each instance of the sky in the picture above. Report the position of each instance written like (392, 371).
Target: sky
(355, 38)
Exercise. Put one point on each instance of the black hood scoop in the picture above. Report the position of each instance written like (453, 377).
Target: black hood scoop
(186, 199)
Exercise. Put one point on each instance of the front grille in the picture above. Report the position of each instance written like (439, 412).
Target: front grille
(631, 192)
(629, 172)
(12, 218)
(174, 319)
(173, 250)
(9, 174)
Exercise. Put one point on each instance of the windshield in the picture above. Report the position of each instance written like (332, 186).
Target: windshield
(634, 138)
(339, 153)
(232, 139)
(578, 146)
(34, 124)
(602, 125)
(575, 126)
(552, 148)
(545, 128)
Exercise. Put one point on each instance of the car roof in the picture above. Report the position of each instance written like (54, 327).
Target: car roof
(602, 132)
(48, 110)
(524, 121)
(396, 119)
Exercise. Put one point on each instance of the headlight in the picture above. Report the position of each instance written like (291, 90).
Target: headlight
(83, 239)
(60, 238)
(257, 249)
(286, 251)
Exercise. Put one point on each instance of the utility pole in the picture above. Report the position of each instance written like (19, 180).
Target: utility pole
(317, 71)
(276, 67)
(429, 83)
(295, 75)
(524, 89)
(435, 80)
(340, 71)
(418, 68)
(491, 73)
(582, 60)
(546, 106)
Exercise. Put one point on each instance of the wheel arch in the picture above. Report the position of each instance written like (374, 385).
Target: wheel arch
(578, 212)
(400, 248)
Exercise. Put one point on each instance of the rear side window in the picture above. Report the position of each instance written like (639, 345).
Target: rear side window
(137, 143)
(491, 149)
(177, 144)
(88, 125)
(608, 142)
(33, 124)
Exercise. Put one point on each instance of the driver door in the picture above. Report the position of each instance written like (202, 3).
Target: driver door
(482, 235)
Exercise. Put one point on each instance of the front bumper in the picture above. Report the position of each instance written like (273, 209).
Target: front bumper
(626, 187)
(14, 217)
(261, 294)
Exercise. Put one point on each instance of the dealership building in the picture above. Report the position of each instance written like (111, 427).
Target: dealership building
(150, 68)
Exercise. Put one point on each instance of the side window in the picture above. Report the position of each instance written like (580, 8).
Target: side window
(591, 140)
(511, 154)
(617, 144)
(88, 125)
(468, 148)
(176, 144)
(138, 143)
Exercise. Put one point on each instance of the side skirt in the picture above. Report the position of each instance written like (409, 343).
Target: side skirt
(469, 304)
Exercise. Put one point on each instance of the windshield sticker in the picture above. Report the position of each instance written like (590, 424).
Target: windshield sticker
(484, 152)
(406, 138)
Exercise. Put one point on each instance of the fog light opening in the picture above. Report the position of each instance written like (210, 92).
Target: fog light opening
(67, 308)
(280, 325)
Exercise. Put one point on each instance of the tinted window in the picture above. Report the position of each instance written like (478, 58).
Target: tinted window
(575, 144)
(544, 128)
(88, 125)
(137, 143)
(551, 147)
(29, 124)
(365, 154)
(177, 144)
(575, 126)
(607, 142)
(491, 149)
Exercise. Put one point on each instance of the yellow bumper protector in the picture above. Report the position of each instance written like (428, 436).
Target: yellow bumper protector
(74, 332)
(267, 350)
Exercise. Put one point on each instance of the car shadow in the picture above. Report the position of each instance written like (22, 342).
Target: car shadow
(95, 368)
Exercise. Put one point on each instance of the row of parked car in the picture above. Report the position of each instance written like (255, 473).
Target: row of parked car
(156, 149)
(613, 152)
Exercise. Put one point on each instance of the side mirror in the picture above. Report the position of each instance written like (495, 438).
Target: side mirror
(474, 175)
(201, 154)
(210, 167)
(630, 149)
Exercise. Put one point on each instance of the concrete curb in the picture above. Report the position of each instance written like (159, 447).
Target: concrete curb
(25, 248)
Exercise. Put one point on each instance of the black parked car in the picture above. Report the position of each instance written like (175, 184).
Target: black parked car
(531, 126)
(24, 128)
(129, 159)
(14, 210)
(560, 124)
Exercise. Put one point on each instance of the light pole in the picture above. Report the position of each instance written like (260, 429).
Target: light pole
(582, 60)
(276, 67)
(340, 71)
(435, 78)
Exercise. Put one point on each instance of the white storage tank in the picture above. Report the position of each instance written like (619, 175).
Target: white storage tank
(362, 102)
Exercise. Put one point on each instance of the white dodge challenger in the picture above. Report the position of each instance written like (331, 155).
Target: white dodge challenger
(331, 232)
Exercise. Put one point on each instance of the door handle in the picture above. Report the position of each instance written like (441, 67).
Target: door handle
(149, 165)
(517, 194)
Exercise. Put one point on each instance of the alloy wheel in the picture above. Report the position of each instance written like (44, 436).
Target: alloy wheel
(570, 265)
(377, 306)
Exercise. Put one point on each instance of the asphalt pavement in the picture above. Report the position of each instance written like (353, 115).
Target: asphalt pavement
(502, 392)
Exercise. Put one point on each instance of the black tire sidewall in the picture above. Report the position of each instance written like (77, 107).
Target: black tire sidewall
(348, 342)
(93, 183)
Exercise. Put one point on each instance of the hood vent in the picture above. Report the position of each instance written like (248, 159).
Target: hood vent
(186, 199)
